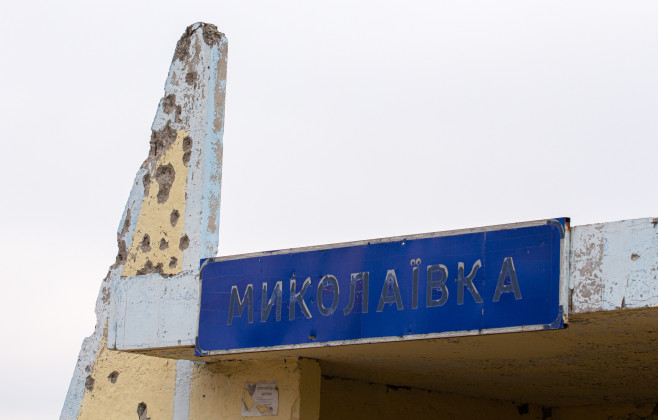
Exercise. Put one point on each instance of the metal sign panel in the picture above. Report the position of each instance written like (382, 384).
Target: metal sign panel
(496, 279)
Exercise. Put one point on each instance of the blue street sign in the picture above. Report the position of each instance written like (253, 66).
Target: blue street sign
(493, 279)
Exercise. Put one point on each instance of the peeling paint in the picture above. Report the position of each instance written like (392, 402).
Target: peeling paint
(614, 266)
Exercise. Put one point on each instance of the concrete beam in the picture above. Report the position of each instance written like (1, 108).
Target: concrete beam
(614, 266)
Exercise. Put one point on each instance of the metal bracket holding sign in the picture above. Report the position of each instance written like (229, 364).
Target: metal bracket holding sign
(476, 281)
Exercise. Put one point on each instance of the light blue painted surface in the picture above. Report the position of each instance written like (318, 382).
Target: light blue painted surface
(614, 266)
(155, 311)
(212, 166)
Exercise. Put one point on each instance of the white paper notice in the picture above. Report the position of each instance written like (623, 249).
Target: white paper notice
(260, 399)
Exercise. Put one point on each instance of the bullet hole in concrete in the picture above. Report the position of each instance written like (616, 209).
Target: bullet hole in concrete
(88, 368)
(161, 140)
(89, 383)
(163, 244)
(191, 77)
(141, 411)
(184, 243)
(173, 218)
(187, 150)
(212, 217)
(546, 413)
(146, 181)
(106, 294)
(179, 111)
(159, 268)
(146, 243)
(169, 103)
(149, 268)
(165, 176)
(634, 256)
(523, 409)
(112, 377)
(172, 262)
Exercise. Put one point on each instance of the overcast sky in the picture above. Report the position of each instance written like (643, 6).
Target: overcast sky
(345, 120)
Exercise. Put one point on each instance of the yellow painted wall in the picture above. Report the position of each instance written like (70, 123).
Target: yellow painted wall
(159, 239)
(309, 389)
(346, 399)
(217, 388)
(121, 381)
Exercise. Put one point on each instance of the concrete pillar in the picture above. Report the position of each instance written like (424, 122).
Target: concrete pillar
(149, 297)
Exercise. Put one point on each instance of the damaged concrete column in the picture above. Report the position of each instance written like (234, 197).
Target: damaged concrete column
(149, 298)
(176, 201)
